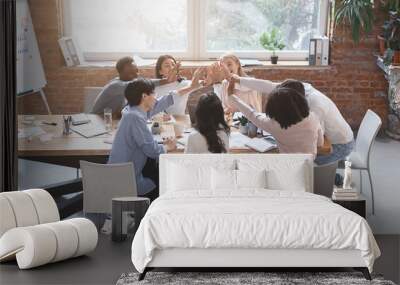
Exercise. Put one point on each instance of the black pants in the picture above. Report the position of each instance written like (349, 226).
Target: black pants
(150, 170)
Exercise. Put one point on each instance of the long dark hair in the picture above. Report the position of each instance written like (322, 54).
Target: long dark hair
(209, 120)
(160, 61)
(135, 89)
(287, 106)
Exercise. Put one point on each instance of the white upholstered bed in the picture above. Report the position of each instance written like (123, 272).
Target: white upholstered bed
(247, 211)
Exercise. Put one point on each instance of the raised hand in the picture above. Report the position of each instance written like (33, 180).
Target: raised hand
(170, 144)
(197, 76)
(225, 70)
(235, 78)
(231, 87)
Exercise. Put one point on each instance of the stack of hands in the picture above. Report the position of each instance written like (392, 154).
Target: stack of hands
(203, 77)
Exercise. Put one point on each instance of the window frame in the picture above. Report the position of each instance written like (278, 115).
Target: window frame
(196, 38)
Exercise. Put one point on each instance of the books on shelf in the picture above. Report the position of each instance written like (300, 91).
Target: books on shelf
(345, 194)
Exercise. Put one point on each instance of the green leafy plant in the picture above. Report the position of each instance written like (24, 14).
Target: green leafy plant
(243, 120)
(272, 41)
(358, 14)
(390, 5)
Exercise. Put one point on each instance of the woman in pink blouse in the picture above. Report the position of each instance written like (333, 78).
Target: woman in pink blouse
(289, 120)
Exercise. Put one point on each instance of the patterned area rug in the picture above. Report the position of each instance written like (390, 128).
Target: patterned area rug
(243, 278)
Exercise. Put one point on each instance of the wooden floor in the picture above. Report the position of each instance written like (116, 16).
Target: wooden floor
(110, 260)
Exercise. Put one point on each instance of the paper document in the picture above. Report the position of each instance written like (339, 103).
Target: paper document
(30, 132)
(238, 140)
(89, 130)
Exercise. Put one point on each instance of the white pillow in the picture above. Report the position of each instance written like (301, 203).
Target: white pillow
(293, 180)
(223, 179)
(284, 172)
(183, 177)
(251, 178)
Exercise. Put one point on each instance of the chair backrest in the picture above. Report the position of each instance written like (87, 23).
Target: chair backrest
(367, 132)
(26, 208)
(102, 182)
(90, 95)
(324, 178)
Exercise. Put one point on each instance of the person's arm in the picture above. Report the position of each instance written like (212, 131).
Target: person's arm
(257, 119)
(260, 85)
(161, 104)
(197, 75)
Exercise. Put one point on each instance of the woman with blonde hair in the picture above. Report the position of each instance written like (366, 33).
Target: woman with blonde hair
(230, 63)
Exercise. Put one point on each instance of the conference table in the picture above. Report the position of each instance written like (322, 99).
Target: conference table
(41, 138)
(47, 143)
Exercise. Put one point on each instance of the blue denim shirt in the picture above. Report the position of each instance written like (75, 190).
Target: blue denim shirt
(134, 141)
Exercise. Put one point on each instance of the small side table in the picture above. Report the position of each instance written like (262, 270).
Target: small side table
(358, 206)
(122, 208)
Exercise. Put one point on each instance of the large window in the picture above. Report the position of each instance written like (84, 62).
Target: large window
(191, 29)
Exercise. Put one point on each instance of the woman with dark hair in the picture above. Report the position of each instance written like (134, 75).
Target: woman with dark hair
(212, 131)
(168, 67)
(289, 120)
(335, 127)
(133, 141)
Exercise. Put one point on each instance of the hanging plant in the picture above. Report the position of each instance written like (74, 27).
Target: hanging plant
(356, 13)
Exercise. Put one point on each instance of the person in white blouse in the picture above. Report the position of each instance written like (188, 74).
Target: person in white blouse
(167, 64)
(211, 133)
(335, 127)
(250, 96)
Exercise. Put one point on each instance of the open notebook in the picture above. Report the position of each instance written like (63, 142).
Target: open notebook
(260, 144)
(238, 141)
(89, 130)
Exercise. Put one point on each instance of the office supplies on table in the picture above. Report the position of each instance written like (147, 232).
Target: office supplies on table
(67, 125)
(49, 123)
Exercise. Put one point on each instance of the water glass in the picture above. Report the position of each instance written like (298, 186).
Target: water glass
(108, 119)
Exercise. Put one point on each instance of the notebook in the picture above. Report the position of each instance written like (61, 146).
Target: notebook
(260, 144)
(89, 130)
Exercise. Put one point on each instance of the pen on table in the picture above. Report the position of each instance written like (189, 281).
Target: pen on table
(49, 123)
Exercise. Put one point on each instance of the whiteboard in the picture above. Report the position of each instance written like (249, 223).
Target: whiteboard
(30, 73)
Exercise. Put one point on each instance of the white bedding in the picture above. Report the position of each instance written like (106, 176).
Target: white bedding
(253, 218)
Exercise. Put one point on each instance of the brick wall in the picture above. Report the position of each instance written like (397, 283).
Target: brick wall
(352, 81)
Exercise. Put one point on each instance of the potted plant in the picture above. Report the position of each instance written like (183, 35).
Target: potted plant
(272, 41)
(358, 14)
(243, 128)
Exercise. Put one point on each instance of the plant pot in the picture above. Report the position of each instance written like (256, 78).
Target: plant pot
(396, 57)
(382, 45)
(243, 129)
(274, 59)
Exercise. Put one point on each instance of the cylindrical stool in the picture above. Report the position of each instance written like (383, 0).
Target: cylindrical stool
(123, 208)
